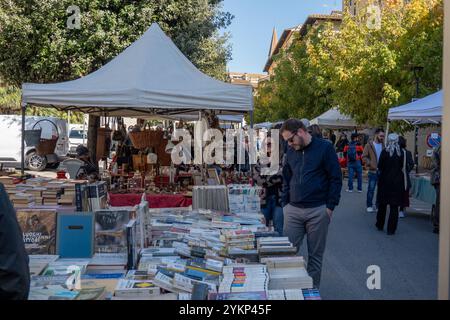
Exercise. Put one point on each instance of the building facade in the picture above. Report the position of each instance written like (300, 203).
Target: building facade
(252, 79)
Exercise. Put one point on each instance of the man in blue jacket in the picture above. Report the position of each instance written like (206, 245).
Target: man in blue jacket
(312, 183)
(14, 271)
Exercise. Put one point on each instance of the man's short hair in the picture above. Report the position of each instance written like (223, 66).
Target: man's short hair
(379, 130)
(292, 125)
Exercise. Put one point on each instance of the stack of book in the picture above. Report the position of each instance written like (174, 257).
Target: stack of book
(210, 197)
(22, 200)
(242, 239)
(275, 246)
(38, 263)
(244, 278)
(50, 196)
(244, 199)
(287, 294)
(287, 273)
(107, 263)
(68, 197)
(66, 266)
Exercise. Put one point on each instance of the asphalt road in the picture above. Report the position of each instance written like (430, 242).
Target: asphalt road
(408, 260)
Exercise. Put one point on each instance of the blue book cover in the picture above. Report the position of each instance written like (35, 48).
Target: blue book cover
(75, 236)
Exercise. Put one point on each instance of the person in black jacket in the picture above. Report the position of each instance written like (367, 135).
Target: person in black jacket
(436, 183)
(312, 183)
(408, 165)
(14, 270)
(391, 184)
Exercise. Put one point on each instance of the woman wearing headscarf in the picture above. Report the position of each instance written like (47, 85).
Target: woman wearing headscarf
(391, 184)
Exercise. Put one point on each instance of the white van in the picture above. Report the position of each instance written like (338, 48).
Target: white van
(77, 136)
(10, 141)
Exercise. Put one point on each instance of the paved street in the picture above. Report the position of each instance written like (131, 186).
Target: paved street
(408, 260)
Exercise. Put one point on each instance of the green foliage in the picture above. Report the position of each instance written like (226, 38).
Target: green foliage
(37, 46)
(363, 70)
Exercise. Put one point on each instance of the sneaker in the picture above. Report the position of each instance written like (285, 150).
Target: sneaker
(401, 214)
(349, 191)
(369, 209)
(359, 191)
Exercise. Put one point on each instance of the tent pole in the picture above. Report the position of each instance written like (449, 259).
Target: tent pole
(22, 150)
(416, 147)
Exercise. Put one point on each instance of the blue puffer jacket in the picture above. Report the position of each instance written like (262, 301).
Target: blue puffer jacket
(312, 177)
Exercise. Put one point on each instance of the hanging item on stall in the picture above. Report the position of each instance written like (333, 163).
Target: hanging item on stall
(145, 137)
(120, 132)
(47, 146)
(103, 142)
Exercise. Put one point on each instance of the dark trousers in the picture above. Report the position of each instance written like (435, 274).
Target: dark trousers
(435, 216)
(393, 217)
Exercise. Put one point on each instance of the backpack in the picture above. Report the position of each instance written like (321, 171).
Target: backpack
(352, 152)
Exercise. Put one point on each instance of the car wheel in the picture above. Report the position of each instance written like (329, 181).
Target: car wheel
(35, 162)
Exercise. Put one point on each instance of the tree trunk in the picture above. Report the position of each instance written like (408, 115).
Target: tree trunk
(94, 124)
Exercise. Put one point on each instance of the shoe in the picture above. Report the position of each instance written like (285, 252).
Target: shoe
(401, 214)
(369, 209)
(390, 233)
(349, 191)
(436, 230)
(378, 228)
(359, 191)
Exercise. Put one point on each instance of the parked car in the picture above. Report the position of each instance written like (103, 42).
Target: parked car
(77, 136)
(10, 142)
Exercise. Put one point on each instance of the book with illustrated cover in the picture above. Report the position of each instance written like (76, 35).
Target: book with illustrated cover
(110, 231)
(39, 230)
(91, 294)
(127, 287)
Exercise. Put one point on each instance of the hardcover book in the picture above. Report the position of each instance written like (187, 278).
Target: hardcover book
(75, 235)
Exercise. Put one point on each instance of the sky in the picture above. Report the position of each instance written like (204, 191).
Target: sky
(253, 23)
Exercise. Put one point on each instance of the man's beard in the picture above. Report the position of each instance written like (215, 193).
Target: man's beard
(301, 145)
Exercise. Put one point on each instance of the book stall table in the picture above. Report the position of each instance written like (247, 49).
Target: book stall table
(421, 189)
(155, 200)
(138, 253)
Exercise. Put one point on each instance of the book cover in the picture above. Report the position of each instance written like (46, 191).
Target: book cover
(110, 231)
(75, 235)
(39, 230)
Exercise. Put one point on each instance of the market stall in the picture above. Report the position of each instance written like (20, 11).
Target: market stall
(427, 110)
(150, 79)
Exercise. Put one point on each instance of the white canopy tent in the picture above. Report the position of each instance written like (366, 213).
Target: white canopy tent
(150, 76)
(425, 110)
(333, 119)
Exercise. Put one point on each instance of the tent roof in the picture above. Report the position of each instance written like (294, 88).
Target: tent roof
(150, 75)
(425, 110)
(333, 119)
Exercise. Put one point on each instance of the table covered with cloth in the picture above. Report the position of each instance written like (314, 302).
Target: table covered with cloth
(421, 189)
(154, 200)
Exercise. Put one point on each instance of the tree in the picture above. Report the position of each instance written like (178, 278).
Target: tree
(36, 44)
(298, 88)
(363, 70)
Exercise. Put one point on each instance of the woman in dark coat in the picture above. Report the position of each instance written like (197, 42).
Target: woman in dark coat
(408, 166)
(391, 184)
